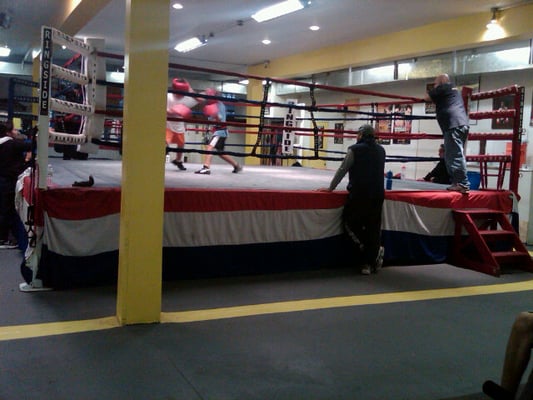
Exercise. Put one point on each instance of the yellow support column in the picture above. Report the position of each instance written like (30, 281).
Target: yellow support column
(141, 216)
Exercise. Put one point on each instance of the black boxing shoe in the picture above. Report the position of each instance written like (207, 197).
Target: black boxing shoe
(179, 164)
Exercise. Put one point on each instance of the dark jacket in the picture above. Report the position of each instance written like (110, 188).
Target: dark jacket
(449, 106)
(12, 157)
(366, 173)
(439, 173)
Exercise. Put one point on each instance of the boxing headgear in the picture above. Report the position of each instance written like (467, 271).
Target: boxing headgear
(180, 84)
(211, 110)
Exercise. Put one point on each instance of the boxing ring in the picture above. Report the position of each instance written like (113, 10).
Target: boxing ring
(263, 220)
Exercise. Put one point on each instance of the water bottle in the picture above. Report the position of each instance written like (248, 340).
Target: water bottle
(402, 173)
(49, 174)
(388, 185)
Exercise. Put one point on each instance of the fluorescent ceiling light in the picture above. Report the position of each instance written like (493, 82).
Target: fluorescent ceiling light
(314, 27)
(266, 41)
(493, 23)
(277, 10)
(5, 51)
(117, 76)
(177, 6)
(493, 32)
(189, 44)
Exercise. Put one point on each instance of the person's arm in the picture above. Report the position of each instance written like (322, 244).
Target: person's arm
(431, 174)
(341, 172)
(428, 96)
(169, 104)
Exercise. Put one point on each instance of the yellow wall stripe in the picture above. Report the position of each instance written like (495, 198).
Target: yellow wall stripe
(444, 36)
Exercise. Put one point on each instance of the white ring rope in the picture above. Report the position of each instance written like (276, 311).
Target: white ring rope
(67, 138)
(69, 75)
(71, 107)
(71, 43)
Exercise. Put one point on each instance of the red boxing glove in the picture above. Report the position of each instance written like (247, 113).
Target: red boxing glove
(211, 110)
(182, 110)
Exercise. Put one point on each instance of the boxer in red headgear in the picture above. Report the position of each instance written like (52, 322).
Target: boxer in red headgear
(215, 111)
(178, 105)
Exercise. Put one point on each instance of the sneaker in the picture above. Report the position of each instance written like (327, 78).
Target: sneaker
(237, 169)
(457, 187)
(366, 270)
(180, 165)
(8, 244)
(379, 259)
(204, 171)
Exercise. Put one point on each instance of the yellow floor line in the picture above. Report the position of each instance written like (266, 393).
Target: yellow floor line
(60, 328)
(336, 302)
(56, 328)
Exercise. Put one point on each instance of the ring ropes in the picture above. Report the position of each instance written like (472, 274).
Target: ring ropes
(264, 103)
(516, 113)
(370, 116)
(289, 128)
(360, 115)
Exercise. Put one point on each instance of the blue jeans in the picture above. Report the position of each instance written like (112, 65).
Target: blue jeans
(454, 156)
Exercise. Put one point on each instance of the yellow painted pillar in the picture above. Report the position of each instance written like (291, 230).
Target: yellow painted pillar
(141, 216)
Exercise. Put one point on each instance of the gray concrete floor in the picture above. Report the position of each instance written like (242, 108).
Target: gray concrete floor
(441, 348)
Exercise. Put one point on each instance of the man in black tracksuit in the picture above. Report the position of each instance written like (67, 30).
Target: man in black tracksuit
(11, 165)
(365, 165)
